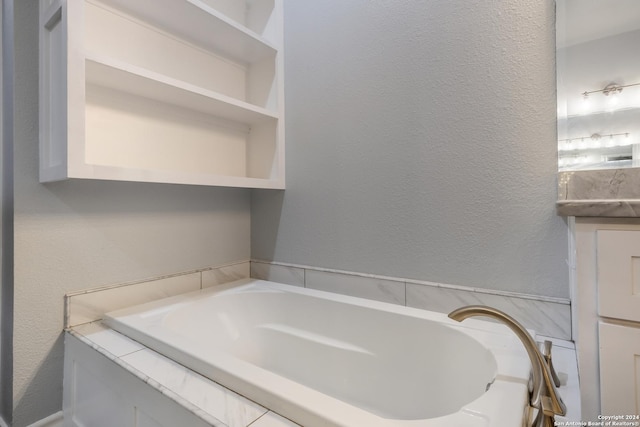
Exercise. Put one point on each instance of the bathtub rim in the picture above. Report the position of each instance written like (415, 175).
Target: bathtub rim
(504, 384)
(469, 324)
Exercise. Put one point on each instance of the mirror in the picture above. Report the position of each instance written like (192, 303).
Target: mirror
(598, 80)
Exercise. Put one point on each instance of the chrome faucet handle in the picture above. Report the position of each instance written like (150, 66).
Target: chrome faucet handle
(547, 358)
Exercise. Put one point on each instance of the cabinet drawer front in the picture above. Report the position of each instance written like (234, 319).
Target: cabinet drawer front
(618, 257)
(619, 369)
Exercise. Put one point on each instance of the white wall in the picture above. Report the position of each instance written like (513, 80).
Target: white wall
(421, 143)
(76, 235)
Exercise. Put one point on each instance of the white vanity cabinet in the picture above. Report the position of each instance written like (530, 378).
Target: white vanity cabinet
(619, 366)
(607, 315)
(618, 254)
(174, 91)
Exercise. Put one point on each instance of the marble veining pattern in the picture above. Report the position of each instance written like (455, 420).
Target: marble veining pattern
(210, 419)
(220, 407)
(546, 315)
(108, 339)
(599, 208)
(216, 405)
(230, 408)
(277, 273)
(89, 305)
(271, 419)
(359, 286)
(605, 193)
(225, 274)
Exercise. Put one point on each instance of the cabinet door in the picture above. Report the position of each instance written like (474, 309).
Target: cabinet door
(618, 255)
(619, 369)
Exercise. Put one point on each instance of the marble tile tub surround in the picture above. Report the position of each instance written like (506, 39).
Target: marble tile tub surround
(211, 402)
(546, 315)
(221, 407)
(89, 305)
(599, 193)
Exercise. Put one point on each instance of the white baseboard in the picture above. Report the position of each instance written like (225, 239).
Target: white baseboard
(54, 420)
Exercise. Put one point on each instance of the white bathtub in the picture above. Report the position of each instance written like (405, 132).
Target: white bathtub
(322, 359)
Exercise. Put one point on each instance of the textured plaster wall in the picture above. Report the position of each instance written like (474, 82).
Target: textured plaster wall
(421, 143)
(76, 235)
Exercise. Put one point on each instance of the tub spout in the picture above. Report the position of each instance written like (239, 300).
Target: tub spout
(543, 396)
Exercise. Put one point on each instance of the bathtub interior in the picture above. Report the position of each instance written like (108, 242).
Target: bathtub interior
(385, 363)
(390, 361)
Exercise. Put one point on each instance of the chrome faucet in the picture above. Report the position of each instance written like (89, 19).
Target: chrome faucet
(543, 396)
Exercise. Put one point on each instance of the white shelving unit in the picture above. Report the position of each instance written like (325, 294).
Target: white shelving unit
(174, 91)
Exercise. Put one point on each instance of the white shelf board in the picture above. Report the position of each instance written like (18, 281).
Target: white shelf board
(88, 171)
(199, 23)
(137, 81)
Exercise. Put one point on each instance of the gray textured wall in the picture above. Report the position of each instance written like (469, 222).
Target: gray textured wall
(421, 143)
(75, 235)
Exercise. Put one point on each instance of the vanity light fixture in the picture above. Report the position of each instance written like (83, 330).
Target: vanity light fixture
(610, 89)
(594, 141)
(596, 136)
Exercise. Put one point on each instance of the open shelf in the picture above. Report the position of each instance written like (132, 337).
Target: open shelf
(171, 91)
(140, 44)
(197, 21)
(140, 82)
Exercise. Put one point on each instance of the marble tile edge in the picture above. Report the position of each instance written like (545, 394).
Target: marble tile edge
(506, 294)
(67, 315)
(88, 341)
(150, 279)
(588, 201)
(557, 342)
(545, 318)
(620, 208)
(294, 276)
(194, 409)
(332, 270)
(557, 300)
(553, 325)
(599, 183)
(270, 417)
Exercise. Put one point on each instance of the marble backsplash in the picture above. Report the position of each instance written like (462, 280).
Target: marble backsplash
(217, 406)
(89, 305)
(545, 315)
(599, 193)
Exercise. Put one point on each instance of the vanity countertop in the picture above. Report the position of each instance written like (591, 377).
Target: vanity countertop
(599, 193)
